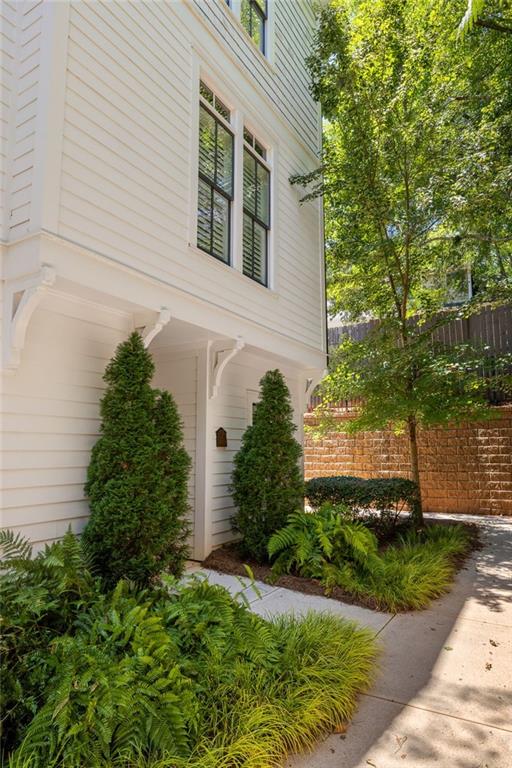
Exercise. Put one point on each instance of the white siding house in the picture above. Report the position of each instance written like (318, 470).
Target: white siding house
(147, 147)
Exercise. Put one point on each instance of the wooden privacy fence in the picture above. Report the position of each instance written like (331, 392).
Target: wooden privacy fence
(491, 328)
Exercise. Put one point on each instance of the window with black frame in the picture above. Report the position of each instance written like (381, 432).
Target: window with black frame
(253, 15)
(215, 192)
(256, 225)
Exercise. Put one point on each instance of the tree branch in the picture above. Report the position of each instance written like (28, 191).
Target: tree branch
(491, 24)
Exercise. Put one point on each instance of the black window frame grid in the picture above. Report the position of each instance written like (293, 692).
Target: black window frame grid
(258, 160)
(214, 187)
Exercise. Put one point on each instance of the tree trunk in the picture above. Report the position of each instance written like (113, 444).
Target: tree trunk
(417, 513)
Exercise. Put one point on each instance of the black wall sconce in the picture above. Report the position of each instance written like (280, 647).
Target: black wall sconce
(221, 438)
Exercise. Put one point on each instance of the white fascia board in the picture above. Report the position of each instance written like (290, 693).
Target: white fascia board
(97, 271)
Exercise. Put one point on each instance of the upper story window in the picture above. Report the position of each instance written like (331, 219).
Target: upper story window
(215, 193)
(253, 15)
(222, 214)
(256, 216)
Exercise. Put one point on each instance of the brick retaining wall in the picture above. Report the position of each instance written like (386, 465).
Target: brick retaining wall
(463, 469)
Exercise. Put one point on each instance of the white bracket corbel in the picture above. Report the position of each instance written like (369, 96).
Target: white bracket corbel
(21, 297)
(149, 327)
(312, 382)
(220, 357)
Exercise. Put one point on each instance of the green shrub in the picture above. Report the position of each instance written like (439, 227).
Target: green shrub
(184, 676)
(388, 495)
(137, 477)
(267, 481)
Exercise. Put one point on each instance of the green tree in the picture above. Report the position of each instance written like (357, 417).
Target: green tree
(409, 150)
(267, 483)
(137, 477)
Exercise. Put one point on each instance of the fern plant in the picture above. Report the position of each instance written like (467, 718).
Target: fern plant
(119, 689)
(41, 597)
(316, 544)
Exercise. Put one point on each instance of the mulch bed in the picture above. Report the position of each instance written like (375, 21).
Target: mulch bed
(227, 559)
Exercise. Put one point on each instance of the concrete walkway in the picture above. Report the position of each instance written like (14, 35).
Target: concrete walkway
(444, 693)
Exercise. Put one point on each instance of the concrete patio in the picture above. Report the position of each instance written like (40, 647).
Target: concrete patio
(443, 696)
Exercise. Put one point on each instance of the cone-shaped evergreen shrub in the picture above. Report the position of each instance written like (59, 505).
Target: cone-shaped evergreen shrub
(267, 481)
(137, 477)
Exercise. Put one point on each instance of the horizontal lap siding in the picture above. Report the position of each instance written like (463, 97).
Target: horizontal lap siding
(230, 410)
(288, 85)
(51, 416)
(126, 173)
(177, 373)
(21, 53)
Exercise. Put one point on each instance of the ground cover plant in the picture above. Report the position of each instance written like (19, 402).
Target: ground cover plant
(330, 546)
(174, 676)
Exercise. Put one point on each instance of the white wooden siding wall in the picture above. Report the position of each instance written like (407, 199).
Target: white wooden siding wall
(287, 84)
(230, 410)
(177, 373)
(126, 173)
(21, 43)
(51, 416)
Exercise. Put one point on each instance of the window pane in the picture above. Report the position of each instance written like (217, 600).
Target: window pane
(206, 144)
(254, 250)
(260, 254)
(262, 4)
(249, 182)
(263, 194)
(220, 247)
(245, 15)
(257, 28)
(204, 216)
(222, 109)
(259, 149)
(247, 246)
(205, 92)
(224, 177)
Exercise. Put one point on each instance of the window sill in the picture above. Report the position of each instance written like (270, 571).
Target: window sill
(218, 264)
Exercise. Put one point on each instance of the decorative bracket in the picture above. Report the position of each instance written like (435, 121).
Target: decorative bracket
(151, 327)
(219, 360)
(21, 297)
(312, 382)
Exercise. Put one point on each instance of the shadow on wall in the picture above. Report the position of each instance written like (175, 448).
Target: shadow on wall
(441, 697)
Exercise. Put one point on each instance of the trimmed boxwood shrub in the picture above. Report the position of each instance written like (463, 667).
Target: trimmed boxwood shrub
(390, 494)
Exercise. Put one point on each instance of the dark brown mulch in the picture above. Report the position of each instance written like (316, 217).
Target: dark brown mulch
(227, 559)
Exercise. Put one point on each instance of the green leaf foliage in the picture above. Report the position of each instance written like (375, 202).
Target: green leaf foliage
(181, 677)
(388, 495)
(267, 482)
(416, 176)
(313, 544)
(137, 477)
(328, 545)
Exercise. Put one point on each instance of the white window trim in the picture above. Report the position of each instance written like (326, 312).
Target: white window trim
(240, 118)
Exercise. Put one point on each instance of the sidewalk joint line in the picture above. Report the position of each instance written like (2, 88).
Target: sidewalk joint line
(386, 624)
(437, 712)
